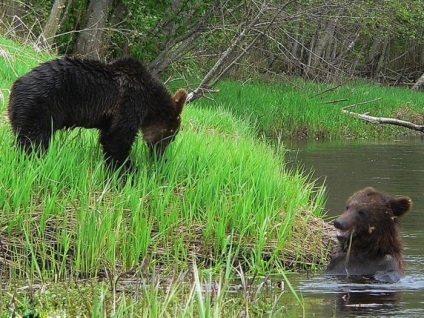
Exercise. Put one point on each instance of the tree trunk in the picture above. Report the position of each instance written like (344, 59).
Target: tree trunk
(294, 63)
(323, 42)
(382, 57)
(376, 56)
(310, 54)
(421, 56)
(89, 43)
(419, 85)
(53, 22)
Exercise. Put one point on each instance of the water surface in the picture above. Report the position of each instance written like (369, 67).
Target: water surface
(395, 167)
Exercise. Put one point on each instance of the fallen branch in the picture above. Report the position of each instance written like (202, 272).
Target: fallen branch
(336, 101)
(325, 91)
(361, 103)
(381, 120)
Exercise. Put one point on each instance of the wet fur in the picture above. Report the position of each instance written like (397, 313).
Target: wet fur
(371, 220)
(119, 99)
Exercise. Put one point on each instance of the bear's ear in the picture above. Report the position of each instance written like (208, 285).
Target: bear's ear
(179, 99)
(400, 205)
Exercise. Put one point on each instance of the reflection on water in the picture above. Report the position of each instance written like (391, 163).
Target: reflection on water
(395, 167)
(346, 298)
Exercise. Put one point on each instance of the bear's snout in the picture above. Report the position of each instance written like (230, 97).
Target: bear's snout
(343, 228)
(341, 224)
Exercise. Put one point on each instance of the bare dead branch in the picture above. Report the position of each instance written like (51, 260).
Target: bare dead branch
(325, 91)
(177, 47)
(231, 48)
(245, 50)
(381, 120)
(204, 84)
(361, 103)
(214, 75)
(218, 78)
(336, 101)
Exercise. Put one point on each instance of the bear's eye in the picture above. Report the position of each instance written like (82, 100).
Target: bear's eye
(347, 207)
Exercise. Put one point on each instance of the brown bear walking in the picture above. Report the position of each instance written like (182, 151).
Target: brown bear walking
(119, 99)
(368, 235)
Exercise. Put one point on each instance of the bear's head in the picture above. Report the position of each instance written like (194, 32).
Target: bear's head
(159, 133)
(371, 216)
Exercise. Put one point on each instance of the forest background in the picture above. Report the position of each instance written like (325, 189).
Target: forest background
(321, 40)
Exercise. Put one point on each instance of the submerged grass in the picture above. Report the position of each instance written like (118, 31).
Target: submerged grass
(193, 293)
(220, 198)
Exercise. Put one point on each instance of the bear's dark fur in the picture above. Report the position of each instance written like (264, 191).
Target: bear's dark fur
(119, 99)
(368, 235)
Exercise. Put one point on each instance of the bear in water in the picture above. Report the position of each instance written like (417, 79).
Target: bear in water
(368, 236)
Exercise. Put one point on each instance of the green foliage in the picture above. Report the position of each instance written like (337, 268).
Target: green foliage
(288, 111)
(152, 24)
(149, 28)
(16, 61)
(399, 18)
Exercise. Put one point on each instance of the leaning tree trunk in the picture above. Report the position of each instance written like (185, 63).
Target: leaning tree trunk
(53, 22)
(377, 56)
(319, 43)
(89, 43)
(323, 42)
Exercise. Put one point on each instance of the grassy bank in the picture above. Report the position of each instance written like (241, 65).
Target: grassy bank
(293, 110)
(220, 206)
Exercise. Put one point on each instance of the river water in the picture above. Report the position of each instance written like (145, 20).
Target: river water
(395, 167)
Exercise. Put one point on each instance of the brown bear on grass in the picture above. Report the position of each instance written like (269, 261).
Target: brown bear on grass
(368, 235)
(119, 99)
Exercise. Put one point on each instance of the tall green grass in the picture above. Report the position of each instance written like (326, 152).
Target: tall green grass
(16, 60)
(218, 198)
(218, 184)
(290, 110)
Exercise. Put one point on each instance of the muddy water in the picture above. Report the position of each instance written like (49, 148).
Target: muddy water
(396, 167)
